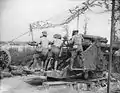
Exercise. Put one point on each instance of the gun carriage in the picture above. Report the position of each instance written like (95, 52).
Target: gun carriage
(93, 59)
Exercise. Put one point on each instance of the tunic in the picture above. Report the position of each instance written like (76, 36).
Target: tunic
(77, 40)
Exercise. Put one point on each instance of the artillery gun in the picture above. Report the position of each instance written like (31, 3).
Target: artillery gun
(95, 58)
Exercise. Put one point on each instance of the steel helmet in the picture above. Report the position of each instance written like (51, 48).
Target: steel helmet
(58, 36)
(74, 32)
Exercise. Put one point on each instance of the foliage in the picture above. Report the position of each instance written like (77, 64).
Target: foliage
(21, 57)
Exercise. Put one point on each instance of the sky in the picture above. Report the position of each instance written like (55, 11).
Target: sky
(16, 15)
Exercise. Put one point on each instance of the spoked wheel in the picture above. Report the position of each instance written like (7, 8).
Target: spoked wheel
(5, 58)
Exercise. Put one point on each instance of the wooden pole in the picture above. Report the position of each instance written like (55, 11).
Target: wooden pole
(67, 34)
(31, 32)
(111, 43)
(78, 20)
(85, 26)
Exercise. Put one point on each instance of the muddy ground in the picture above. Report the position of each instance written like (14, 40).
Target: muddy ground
(17, 84)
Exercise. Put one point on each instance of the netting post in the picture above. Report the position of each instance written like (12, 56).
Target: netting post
(31, 32)
(78, 20)
(111, 44)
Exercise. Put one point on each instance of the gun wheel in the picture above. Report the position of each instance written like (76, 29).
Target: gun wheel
(5, 58)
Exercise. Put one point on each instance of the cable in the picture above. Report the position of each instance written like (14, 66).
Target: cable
(19, 36)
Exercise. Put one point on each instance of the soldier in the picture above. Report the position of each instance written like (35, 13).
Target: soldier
(57, 42)
(77, 40)
(117, 60)
(42, 49)
(77, 45)
(56, 47)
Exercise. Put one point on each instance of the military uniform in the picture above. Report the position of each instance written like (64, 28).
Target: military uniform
(55, 49)
(44, 45)
(57, 42)
(77, 48)
(77, 41)
(42, 49)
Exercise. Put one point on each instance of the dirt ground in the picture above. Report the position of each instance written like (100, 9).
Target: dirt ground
(17, 85)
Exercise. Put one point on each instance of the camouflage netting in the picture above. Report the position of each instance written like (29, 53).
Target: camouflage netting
(117, 20)
(67, 16)
(116, 29)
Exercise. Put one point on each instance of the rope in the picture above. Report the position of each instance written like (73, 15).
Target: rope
(20, 36)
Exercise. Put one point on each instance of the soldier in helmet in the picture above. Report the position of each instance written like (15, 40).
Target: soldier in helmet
(44, 41)
(76, 41)
(57, 43)
(42, 49)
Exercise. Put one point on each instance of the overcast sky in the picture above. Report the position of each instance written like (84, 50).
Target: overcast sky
(16, 15)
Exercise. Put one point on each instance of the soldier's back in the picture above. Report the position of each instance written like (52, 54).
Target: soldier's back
(44, 42)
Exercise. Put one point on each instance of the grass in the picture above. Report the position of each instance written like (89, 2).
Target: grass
(21, 57)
